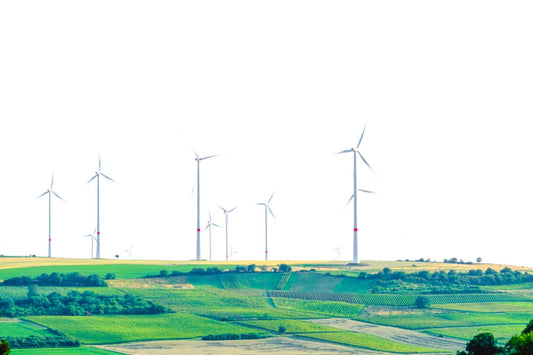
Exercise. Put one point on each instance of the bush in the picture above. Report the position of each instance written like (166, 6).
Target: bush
(422, 302)
(282, 329)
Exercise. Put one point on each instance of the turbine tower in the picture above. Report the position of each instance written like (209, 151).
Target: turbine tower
(354, 196)
(226, 213)
(97, 177)
(209, 225)
(49, 192)
(198, 160)
(267, 209)
(93, 237)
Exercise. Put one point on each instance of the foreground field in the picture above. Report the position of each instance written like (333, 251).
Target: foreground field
(279, 345)
(323, 307)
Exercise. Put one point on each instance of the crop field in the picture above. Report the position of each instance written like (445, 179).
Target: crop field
(292, 326)
(370, 342)
(502, 333)
(114, 329)
(421, 320)
(339, 309)
(18, 328)
(490, 307)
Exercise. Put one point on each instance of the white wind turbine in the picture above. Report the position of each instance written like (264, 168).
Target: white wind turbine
(226, 213)
(354, 196)
(267, 209)
(339, 251)
(209, 225)
(198, 160)
(93, 238)
(49, 192)
(97, 177)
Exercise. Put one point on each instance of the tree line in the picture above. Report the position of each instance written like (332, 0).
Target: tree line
(75, 303)
(215, 270)
(389, 280)
(73, 279)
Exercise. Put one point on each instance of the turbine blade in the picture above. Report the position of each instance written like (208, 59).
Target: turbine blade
(223, 209)
(99, 163)
(92, 179)
(196, 154)
(207, 227)
(368, 191)
(345, 151)
(261, 204)
(209, 156)
(107, 177)
(272, 213)
(59, 197)
(44, 193)
(216, 225)
(233, 209)
(270, 199)
(360, 139)
(347, 203)
(52, 182)
(364, 160)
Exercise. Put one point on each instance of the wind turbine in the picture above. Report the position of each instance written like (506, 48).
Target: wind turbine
(267, 209)
(129, 251)
(93, 238)
(209, 225)
(226, 213)
(354, 196)
(97, 177)
(198, 160)
(338, 252)
(49, 192)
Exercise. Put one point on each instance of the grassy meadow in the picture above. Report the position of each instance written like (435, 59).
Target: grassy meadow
(260, 302)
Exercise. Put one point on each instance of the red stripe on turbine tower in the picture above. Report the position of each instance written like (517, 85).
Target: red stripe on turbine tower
(355, 229)
(197, 229)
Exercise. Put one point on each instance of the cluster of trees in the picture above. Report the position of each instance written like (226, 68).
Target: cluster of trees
(506, 276)
(234, 336)
(4, 347)
(214, 270)
(34, 341)
(485, 344)
(75, 303)
(73, 279)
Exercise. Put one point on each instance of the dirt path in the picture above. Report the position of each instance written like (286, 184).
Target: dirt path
(398, 334)
(276, 345)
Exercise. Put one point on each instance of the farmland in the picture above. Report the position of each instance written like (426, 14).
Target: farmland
(327, 305)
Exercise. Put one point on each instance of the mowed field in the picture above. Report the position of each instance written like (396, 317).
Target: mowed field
(323, 307)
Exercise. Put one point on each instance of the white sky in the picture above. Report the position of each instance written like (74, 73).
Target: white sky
(275, 87)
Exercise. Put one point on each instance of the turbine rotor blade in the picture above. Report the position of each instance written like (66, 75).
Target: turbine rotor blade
(99, 163)
(362, 134)
(345, 151)
(44, 193)
(52, 182)
(364, 160)
(107, 177)
(216, 225)
(350, 200)
(59, 197)
(222, 208)
(270, 199)
(92, 178)
(271, 213)
(233, 209)
(368, 191)
(209, 156)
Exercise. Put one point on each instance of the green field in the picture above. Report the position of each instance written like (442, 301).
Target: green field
(291, 325)
(18, 328)
(60, 351)
(261, 302)
(370, 342)
(115, 329)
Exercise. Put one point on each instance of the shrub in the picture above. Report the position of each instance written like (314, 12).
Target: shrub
(422, 302)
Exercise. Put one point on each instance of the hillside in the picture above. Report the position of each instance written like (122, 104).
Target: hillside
(337, 306)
